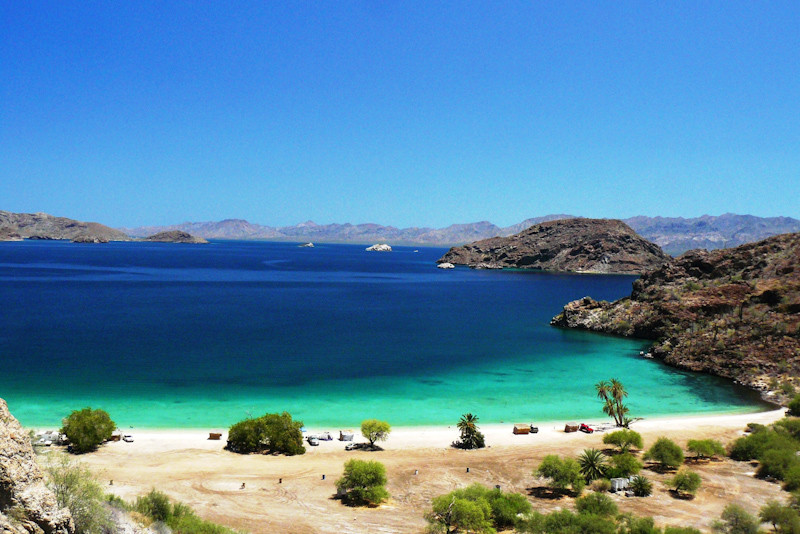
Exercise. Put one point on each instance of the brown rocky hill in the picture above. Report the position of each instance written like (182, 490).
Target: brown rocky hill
(175, 236)
(44, 226)
(733, 313)
(577, 245)
(26, 505)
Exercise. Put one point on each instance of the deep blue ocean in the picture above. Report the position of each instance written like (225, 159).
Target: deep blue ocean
(168, 335)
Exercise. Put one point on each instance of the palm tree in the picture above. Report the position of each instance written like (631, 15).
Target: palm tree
(468, 423)
(641, 486)
(593, 464)
(618, 393)
(471, 437)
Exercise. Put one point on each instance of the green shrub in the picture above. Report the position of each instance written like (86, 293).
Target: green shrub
(789, 426)
(686, 481)
(363, 483)
(271, 433)
(568, 522)
(601, 485)
(563, 474)
(87, 428)
(374, 430)
(666, 453)
(506, 507)
(624, 439)
(154, 505)
(782, 518)
(681, 530)
(791, 481)
(735, 520)
(794, 407)
(597, 504)
(76, 489)
(775, 463)
(641, 486)
(624, 465)
(630, 524)
(705, 448)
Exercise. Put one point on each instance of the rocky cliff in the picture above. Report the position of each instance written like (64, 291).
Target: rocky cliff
(175, 236)
(44, 226)
(733, 313)
(26, 505)
(577, 245)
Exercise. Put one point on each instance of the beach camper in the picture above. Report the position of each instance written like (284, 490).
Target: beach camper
(214, 435)
(346, 435)
(571, 427)
(522, 429)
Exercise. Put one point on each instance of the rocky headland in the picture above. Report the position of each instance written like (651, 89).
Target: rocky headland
(27, 506)
(733, 313)
(15, 226)
(572, 245)
(175, 236)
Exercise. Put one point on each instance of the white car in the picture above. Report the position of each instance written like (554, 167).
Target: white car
(127, 438)
(313, 441)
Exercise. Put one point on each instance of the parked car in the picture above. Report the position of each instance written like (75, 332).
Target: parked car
(313, 441)
(127, 438)
(350, 446)
(586, 428)
(325, 436)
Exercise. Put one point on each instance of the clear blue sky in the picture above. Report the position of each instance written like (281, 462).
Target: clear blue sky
(400, 113)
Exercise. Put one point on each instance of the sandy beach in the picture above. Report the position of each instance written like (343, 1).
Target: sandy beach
(295, 494)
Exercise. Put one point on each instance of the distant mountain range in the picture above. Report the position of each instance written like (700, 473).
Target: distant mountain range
(673, 234)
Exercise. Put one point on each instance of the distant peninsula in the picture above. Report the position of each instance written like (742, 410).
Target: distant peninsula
(674, 235)
(16, 226)
(733, 313)
(570, 245)
(175, 236)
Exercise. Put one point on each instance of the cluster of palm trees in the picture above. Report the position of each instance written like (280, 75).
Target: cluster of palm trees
(612, 392)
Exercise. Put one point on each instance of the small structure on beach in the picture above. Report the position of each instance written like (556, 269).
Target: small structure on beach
(346, 435)
(619, 484)
(522, 429)
(571, 427)
(214, 435)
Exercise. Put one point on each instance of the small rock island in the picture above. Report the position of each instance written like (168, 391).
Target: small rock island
(379, 247)
(571, 245)
(175, 236)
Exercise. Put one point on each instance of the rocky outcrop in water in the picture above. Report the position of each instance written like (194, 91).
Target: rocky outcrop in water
(175, 236)
(44, 226)
(26, 505)
(379, 247)
(576, 245)
(733, 313)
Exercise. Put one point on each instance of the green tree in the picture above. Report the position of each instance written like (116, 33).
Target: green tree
(270, 433)
(155, 505)
(375, 430)
(624, 439)
(641, 486)
(563, 473)
(705, 448)
(782, 518)
(593, 464)
(666, 453)
(735, 520)
(686, 481)
(487, 509)
(76, 489)
(86, 429)
(681, 530)
(596, 504)
(363, 483)
(471, 437)
(624, 465)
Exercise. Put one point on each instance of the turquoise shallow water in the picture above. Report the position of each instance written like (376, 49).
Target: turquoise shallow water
(201, 336)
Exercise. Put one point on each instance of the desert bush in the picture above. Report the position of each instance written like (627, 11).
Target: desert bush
(789, 426)
(686, 481)
(624, 439)
(271, 433)
(601, 485)
(363, 483)
(776, 463)
(782, 518)
(705, 448)
(563, 473)
(87, 428)
(597, 504)
(624, 465)
(666, 453)
(794, 406)
(76, 489)
(735, 520)
(477, 508)
(179, 517)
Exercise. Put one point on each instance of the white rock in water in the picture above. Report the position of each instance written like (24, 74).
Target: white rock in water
(306, 245)
(379, 248)
(446, 265)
